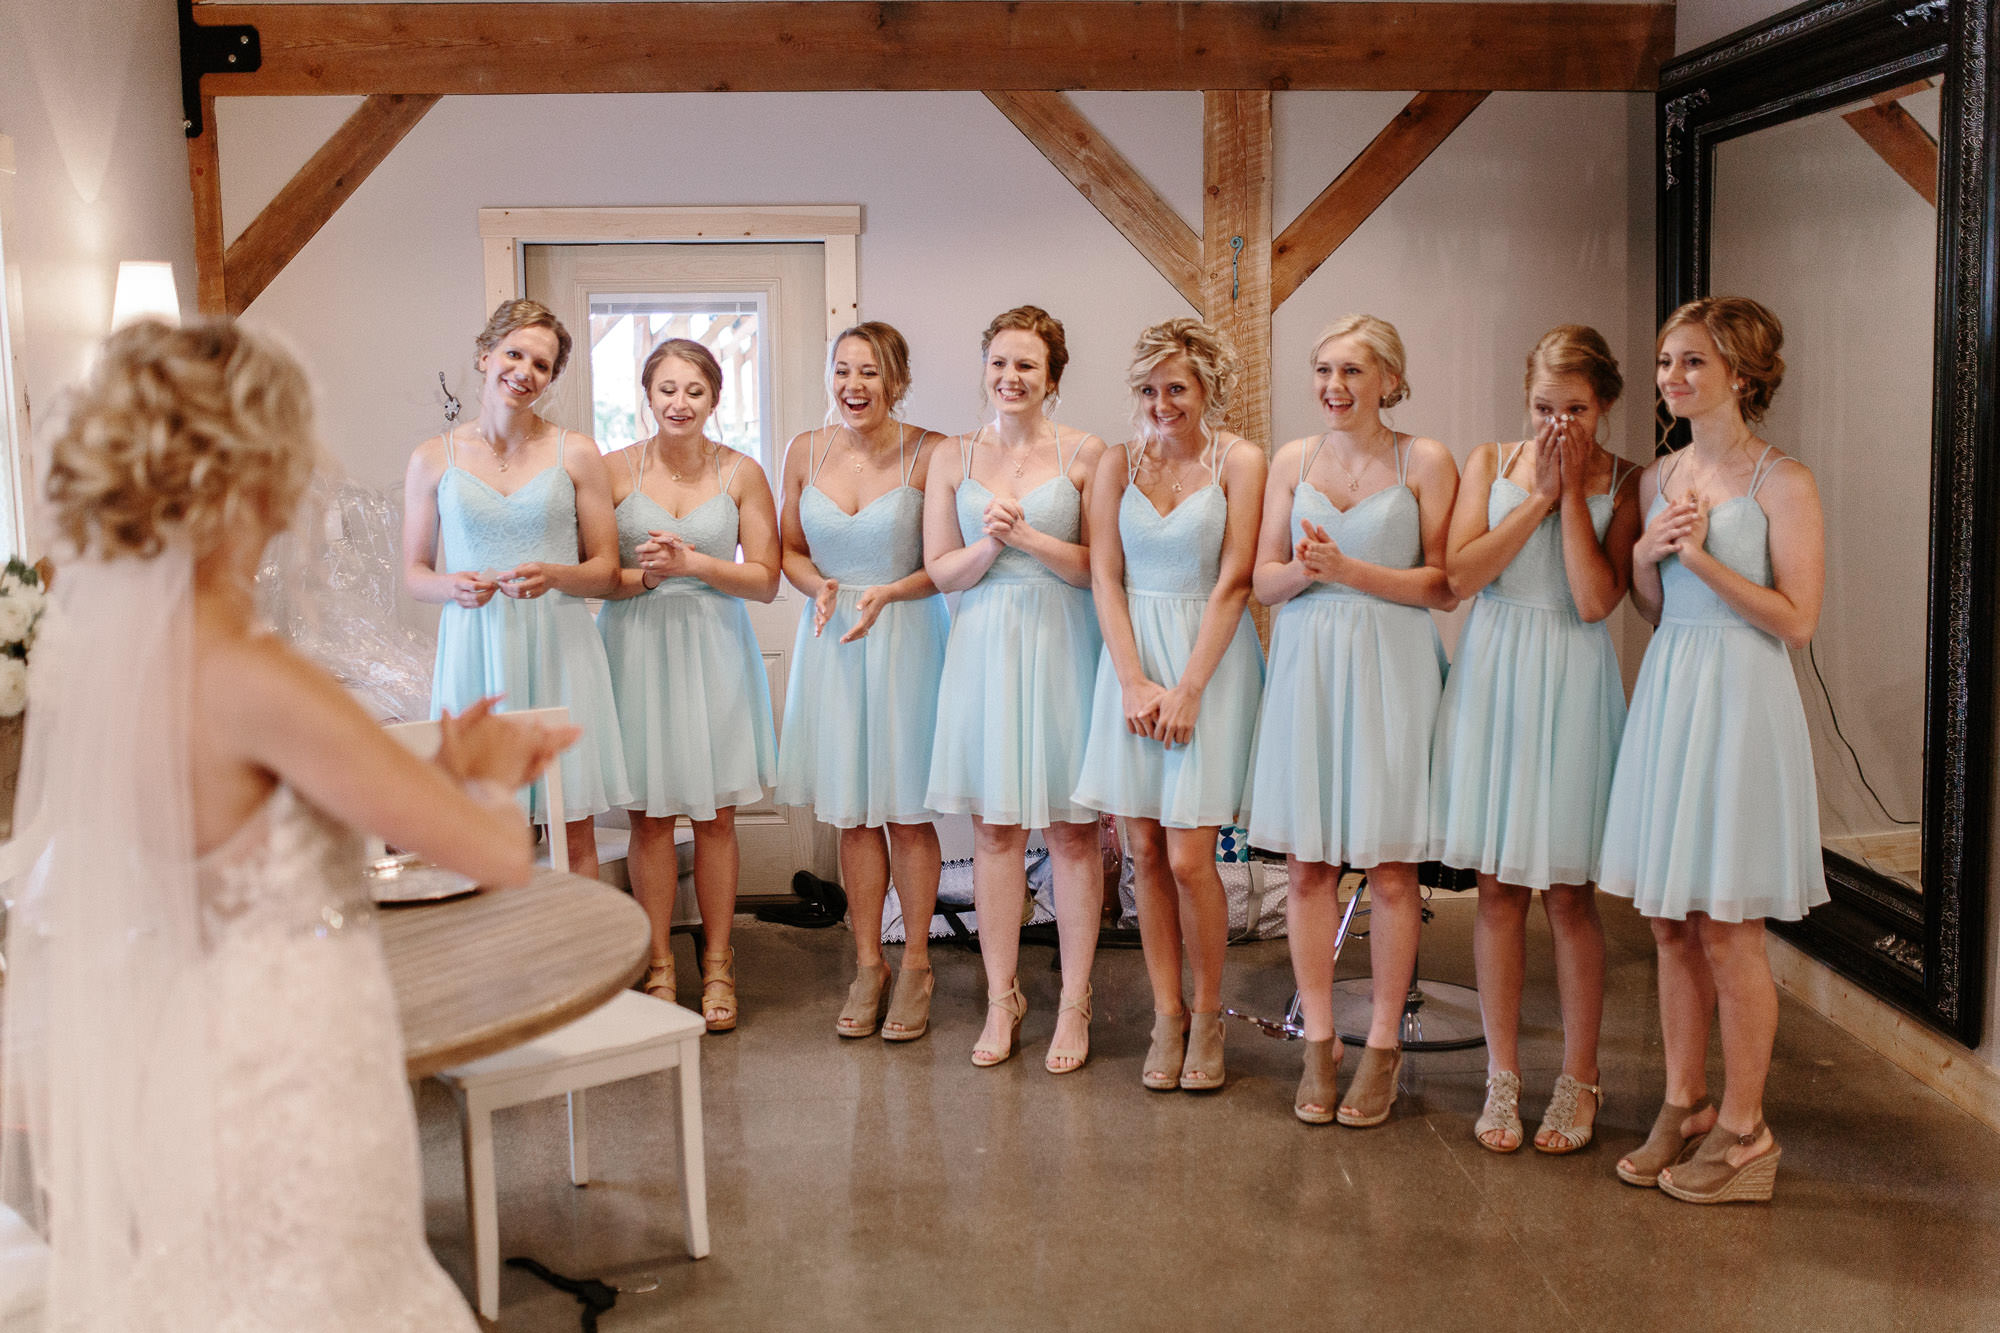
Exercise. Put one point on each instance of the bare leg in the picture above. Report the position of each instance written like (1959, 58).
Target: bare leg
(1204, 911)
(1312, 920)
(1499, 954)
(1579, 946)
(999, 892)
(654, 870)
(1159, 907)
(1395, 920)
(1687, 999)
(916, 861)
(581, 835)
(1079, 877)
(864, 874)
(1747, 1001)
(717, 863)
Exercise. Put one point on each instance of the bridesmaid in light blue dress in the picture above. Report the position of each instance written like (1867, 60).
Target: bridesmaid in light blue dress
(1352, 555)
(693, 700)
(862, 703)
(507, 522)
(1007, 533)
(1528, 730)
(1174, 521)
(1714, 817)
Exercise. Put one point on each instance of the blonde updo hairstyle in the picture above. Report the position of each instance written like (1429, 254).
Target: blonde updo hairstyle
(513, 316)
(1031, 319)
(1749, 337)
(1209, 354)
(1379, 336)
(892, 356)
(1576, 349)
(180, 436)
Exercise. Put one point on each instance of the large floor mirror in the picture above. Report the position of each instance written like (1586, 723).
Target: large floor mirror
(1834, 162)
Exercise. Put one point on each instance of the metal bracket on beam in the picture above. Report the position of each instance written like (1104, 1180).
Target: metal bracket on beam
(223, 49)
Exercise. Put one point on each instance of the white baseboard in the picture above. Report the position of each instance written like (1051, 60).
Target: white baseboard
(1934, 1060)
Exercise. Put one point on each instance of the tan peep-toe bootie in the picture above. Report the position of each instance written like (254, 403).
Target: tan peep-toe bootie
(1664, 1146)
(1201, 1071)
(866, 998)
(910, 1012)
(1162, 1069)
(1372, 1094)
(1316, 1097)
(1707, 1177)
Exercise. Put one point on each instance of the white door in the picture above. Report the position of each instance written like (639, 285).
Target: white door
(762, 309)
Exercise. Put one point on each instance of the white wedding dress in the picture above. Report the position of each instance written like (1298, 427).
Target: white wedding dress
(318, 1187)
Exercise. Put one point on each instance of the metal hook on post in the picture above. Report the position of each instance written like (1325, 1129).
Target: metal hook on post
(451, 405)
(1235, 267)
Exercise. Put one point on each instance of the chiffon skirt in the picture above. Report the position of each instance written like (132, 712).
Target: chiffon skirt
(1342, 771)
(1527, 736)
(1014, 706)
(1713, 806)
(542, 652)
(859, 717)
(694, 704)
(1188, 786)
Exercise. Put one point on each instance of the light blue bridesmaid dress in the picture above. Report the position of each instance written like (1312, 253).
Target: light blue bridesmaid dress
(1528, 730)
(1014, 706)
(1172, 561)
(540, 652)
(859, 717)
(1342, 772)
(694, 705)
(1714, 807)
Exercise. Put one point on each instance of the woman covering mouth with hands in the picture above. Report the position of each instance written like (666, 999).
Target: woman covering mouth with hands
(692, 698)
(507, 522)
(1352, 555)
(862, 702)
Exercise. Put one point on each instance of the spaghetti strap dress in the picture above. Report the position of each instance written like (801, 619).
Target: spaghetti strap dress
(694, 704)
(1342, 770)
(1714, 807)
(1527, 733)
(540, 652)
(1014, 706)
(1172, 561)
(859, 717)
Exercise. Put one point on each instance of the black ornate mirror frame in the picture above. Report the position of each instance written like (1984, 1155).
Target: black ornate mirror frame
(1924, 953)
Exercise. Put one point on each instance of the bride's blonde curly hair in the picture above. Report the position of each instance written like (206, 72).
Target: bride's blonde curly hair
(180, 435)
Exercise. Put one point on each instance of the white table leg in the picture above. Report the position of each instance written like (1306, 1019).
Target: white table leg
(482, 1206)
(579, 1139)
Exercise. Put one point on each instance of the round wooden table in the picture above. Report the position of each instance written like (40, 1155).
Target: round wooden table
(476, 975)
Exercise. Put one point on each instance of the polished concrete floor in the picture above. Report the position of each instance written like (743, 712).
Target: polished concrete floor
(861, 1185)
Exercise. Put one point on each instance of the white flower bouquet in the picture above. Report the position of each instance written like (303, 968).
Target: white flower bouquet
(22, 600)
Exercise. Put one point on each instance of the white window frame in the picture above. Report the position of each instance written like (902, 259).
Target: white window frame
(505, 232)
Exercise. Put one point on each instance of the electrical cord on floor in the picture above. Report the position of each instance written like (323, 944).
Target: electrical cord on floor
(1859, 771)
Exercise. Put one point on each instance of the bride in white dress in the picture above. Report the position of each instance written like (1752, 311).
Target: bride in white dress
(205, 1106)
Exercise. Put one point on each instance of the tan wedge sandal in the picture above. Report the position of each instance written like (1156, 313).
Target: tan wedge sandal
(1707, 1177)
(1664, 1146)
(718, 991)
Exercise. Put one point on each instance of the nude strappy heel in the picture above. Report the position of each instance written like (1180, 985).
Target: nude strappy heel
(718, 991)
(659, 982)
(1069, 1059)
(1015, 1005)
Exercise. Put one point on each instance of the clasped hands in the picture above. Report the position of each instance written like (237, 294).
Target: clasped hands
(1161, 713)
(523, 581)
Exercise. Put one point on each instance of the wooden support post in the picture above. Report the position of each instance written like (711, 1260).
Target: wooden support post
(1902, 142)
(205, 180)
(312, 196)
(1112, 185)
(1374, 174)
(1236, 244)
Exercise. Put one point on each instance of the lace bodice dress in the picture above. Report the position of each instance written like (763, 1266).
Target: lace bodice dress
(320, 1222)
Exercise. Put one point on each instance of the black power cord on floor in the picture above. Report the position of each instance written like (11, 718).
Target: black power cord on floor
(1859, 771)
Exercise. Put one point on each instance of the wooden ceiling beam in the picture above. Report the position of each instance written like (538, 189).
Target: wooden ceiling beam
(1900, 140)
(931, 45)
(311, 198)
(1111, 183)
(205, 181)
(1375, 173)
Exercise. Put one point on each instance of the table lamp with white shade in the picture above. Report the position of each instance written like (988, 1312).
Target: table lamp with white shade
(145, 290)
